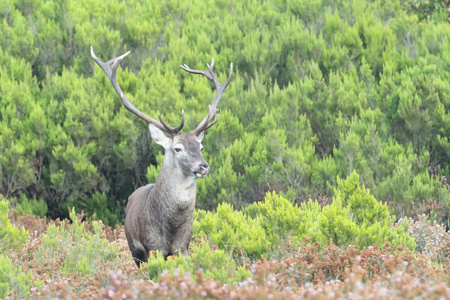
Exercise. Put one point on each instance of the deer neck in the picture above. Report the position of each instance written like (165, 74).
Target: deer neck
(173, 185)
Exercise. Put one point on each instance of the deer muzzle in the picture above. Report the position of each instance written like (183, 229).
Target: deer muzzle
(202, 170)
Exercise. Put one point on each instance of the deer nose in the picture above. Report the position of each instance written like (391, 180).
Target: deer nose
(203, 169)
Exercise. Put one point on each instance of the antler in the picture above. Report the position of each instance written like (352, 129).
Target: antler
(208, 121)
(110, 68)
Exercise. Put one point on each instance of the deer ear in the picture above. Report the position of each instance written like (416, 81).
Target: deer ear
(200, 136)
(159, 136)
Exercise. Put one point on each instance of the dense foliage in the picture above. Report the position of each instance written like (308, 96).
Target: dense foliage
(353, 215)
(321, 89)
(329, 162)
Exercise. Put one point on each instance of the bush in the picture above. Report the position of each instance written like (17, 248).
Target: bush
(283, 220)
(32, 206)
(231, 230)
(13, 280)
(11, 238)
(213, 263)
(431, 238)
(353, 214)
(77, 249)
(97, 207)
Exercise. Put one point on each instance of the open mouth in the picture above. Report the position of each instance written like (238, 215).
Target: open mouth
(200, 175)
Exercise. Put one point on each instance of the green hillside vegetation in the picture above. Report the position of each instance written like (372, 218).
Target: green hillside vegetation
(321, 89)
(329, 163)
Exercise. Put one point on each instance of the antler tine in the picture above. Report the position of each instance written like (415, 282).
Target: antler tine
(206, 73)
(219, 86)
(110, 68)
(205, 123)
(170, 128)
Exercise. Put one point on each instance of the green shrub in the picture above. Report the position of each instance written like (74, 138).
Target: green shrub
(355, 213)
(79, 249)
(156, 264)
(11, 238)
(213, 263)
(13, 279)
(285, 223)
(279, 217)
(97, 205)
(231, 230)
(36, 207)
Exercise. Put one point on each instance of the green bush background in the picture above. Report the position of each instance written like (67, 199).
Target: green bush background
(321, 89)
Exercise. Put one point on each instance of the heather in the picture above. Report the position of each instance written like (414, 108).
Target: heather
(310, 269)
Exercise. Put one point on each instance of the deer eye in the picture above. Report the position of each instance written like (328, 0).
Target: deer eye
(177, 150)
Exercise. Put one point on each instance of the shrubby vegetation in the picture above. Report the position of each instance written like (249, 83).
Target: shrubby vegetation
(353, 215)
(330, 161)
(11, 240)
(64, 259)
(321, 89)
(213, 263)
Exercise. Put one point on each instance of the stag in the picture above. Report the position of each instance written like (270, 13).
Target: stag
(159, 216)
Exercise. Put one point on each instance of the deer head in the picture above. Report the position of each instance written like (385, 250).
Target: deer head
(182, 150)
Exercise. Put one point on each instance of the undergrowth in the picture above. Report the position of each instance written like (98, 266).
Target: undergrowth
(272, 249)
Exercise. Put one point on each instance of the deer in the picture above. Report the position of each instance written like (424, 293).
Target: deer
(159, 216)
